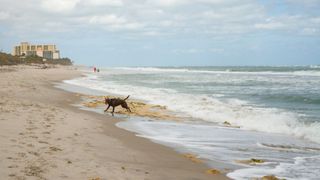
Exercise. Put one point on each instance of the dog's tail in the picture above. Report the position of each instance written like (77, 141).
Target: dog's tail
(126, 98)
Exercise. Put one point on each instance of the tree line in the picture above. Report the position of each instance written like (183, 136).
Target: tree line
(8, 59)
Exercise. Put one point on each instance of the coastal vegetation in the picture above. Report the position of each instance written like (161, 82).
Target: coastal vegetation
(8, 59)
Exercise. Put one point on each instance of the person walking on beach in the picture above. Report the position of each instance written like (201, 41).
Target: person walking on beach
(94, 69)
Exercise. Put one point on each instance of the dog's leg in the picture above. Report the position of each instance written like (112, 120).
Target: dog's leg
(113, 110)
(125, 105)
(107, 108)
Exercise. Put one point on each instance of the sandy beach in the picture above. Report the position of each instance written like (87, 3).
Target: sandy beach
(44, 137)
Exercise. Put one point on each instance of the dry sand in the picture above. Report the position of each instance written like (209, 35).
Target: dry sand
(43, 137)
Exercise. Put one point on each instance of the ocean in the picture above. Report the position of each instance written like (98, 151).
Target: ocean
(274, 113)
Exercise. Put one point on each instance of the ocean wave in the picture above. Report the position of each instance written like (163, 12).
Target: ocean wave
(288, 147)
(301, 168)
(210, 109)
(315, 66)
(152, 69)
(311, 72)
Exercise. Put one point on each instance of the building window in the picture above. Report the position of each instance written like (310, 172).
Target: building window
(48, 54)
(45, 47)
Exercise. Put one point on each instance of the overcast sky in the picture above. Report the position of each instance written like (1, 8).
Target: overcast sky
(168, 32)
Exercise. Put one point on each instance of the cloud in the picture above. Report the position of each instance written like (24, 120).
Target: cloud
(206, 18)
(69, 6)
(197, 50)
(103, 2)
(166, 2)
(310, 3)
(113, 22)
(187, 51)
(4, 15)
(310, 31)
(107, 19)
(216, 50)
(270, 25)
(175, 3)
(303, 25)
(59, 6)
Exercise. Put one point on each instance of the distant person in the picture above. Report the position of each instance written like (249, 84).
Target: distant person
(98, 70)
(94, 69)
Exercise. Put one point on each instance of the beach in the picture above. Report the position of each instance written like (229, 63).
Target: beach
(43, 136)
(256, 121)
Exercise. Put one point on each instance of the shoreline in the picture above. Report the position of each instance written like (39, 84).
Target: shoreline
(241, 153)
(66, 149)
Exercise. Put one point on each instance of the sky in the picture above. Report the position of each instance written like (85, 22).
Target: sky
(168, 32)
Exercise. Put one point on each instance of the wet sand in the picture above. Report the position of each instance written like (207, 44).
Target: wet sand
(43, 137)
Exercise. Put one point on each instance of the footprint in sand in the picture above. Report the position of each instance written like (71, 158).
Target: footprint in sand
(13, 166)
(21, 154)
(31, 128)
(34, 153)
(33, 137)
(30, 122)
(30, 145)
(69, 162)
(33, 171)
(53, 148)
(12, 175)
(43, 142)
(53, 166)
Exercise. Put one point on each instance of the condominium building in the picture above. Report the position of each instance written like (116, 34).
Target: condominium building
(47, 51)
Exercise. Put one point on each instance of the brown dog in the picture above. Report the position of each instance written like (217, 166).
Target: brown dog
(114, 102)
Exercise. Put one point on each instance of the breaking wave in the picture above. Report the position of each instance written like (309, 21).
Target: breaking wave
(211, 109)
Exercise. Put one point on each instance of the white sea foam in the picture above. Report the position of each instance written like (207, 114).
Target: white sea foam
(293, 148)
(303, 168)
(152, 69)
(315, 66)
(210, 109)
(229, 145)
(227, 71)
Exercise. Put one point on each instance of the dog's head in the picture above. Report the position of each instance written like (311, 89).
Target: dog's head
(106, 100)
